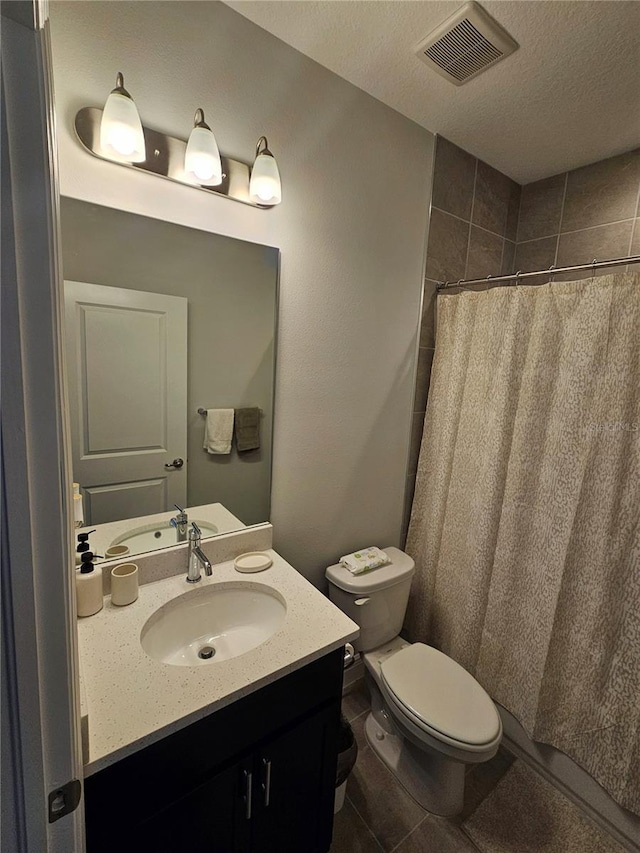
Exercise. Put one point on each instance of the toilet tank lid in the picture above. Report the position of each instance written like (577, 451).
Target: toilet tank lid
(400, 568)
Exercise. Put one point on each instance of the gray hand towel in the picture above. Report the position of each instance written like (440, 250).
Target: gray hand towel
(247, 428)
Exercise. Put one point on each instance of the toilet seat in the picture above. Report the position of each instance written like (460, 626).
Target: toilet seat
(440, 698)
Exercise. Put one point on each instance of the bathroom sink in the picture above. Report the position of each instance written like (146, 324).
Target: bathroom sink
(214, 623)
(160, 534)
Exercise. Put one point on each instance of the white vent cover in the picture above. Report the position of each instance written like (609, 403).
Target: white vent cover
(466, 44)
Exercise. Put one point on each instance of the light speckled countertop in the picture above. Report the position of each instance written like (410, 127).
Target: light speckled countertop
(133, 700)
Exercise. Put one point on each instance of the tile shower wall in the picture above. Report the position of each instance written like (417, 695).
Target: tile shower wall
(483, 223)
(588, 213)
(472, 233)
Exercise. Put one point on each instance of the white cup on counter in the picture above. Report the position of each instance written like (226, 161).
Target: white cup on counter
(115, 552)
(124, 584)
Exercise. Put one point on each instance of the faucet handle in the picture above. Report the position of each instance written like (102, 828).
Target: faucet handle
(195, 534)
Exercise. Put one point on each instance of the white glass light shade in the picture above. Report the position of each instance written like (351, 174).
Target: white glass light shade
(264, 186)
(202, 157)
(121, 134)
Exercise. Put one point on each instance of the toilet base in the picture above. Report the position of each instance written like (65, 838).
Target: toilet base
(434, 781)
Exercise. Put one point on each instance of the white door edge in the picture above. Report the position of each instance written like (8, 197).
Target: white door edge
(39, 636)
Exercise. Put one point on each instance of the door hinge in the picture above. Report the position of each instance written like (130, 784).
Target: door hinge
(64, 800)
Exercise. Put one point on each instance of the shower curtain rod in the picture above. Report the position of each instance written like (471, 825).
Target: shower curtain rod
(553, 270)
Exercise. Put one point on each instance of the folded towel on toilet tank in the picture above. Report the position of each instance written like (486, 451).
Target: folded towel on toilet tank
(365, 560)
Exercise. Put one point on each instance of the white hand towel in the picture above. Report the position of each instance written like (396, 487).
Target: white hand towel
(218, 430)
(365, 560)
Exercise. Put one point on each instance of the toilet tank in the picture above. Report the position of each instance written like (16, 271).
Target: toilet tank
(376, 600)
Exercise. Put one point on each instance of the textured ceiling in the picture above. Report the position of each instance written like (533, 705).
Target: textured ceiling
(569, 96)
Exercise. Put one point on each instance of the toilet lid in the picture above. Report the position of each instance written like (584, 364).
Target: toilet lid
(438, 691)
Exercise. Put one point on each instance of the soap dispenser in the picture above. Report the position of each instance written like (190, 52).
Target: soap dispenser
(83, 546)
(88, 586)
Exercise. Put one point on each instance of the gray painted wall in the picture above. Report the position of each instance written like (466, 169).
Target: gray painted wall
(231, 286)
(351, 230)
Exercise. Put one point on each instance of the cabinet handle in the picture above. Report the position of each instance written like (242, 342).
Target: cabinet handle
(248, 781)
(266, 785)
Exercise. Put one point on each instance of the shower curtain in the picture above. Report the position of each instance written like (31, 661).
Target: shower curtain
(525, 525)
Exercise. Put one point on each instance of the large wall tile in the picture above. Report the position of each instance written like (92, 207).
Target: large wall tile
(453, 179)
(605, 241)
(541, 208)
(492, 198)
(602, 192)
(447, 249)
(485, 253)
(508, 257)
(513, 213)
(425, 360)
(536, 254)
(428, 322)
(635, 243)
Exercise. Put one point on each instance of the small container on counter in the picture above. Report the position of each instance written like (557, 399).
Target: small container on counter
(88, 586)
(124, 584)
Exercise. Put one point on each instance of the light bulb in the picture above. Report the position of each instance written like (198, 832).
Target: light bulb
(265, 186)
(202, 157)
(121, 134)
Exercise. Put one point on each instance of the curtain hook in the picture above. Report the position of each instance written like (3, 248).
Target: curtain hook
(518, 277)
(593, 268)
(552, 274)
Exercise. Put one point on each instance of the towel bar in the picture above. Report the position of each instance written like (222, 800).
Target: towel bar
(202, 411)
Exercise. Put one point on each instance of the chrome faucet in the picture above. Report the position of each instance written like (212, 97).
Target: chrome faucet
(180, 522)
(196, 556)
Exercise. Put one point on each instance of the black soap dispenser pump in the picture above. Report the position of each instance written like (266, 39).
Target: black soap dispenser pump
(83, 545)
(88, 586)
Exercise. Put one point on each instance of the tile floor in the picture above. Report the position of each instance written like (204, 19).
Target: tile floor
(378, 815)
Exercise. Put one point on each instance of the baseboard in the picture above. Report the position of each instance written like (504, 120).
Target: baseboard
(574, 782)
(354, 673)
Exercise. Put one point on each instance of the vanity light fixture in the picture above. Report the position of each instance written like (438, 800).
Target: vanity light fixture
(116, 134)
(121, 134)
(265, 187)
(202, 157)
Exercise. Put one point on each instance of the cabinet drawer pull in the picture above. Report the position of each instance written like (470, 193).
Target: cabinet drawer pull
(248, 781)
(266, 785)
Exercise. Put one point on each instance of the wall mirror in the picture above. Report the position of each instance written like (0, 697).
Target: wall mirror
(161, 321)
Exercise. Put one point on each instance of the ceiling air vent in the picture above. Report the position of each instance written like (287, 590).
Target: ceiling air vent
(466, 44)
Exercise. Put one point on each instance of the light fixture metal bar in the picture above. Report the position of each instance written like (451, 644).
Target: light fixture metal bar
(165, 157)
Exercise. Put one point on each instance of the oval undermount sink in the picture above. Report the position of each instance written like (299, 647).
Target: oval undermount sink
(160, 534)
(214, 623)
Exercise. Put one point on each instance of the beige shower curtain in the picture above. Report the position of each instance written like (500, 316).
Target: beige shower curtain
(526, 519)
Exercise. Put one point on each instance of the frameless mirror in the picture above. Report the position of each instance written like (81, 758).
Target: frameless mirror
(163, 322)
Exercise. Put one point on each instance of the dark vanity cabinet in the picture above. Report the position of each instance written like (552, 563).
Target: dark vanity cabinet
(256, 776)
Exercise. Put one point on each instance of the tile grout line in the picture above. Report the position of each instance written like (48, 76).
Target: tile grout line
(473, 204)
(468, 221)
(411, 831)
(518, 219)
(578, 230)
(367, 827)
(351, 803)
(401, 787)
(564, 198)
(634, 226)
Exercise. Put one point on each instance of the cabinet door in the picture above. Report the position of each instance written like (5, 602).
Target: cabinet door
(295, 778)
(214, 818)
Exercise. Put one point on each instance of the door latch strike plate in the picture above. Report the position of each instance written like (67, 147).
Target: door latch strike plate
(64, 800)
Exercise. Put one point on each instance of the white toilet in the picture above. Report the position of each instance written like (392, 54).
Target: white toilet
(429, 716)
